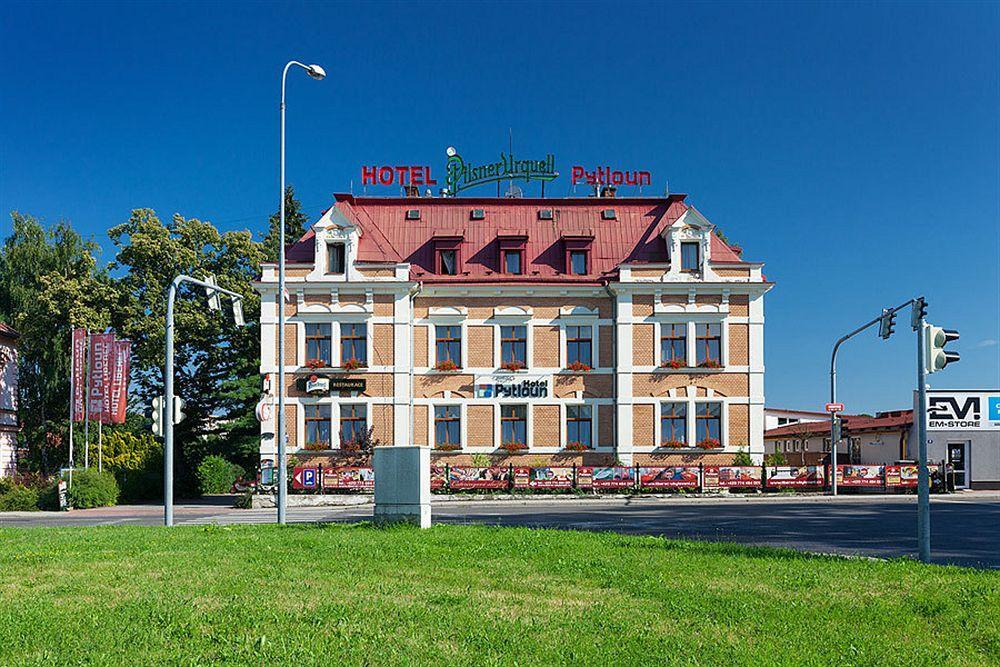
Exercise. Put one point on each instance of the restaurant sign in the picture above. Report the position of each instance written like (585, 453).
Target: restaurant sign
(321, 385)
(459, 175)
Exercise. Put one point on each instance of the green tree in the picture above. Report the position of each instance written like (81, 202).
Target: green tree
(216, 363)
(49, 283)
(296, 224)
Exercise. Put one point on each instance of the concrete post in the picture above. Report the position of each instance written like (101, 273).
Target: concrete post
(403, 485)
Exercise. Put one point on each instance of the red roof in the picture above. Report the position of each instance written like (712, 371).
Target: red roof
(632, 237)
(883, 421)
(8, 331)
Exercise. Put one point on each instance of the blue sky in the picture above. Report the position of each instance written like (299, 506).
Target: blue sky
(853, 148)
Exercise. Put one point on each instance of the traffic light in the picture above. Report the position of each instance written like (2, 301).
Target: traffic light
(214, 303)
(178, 410)
(238, 312)
(887, 323)
(935, 356)
(157, 416)
(918, 312)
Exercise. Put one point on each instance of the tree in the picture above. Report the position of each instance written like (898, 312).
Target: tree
(49, 283)
(296, 224)
(217, 364)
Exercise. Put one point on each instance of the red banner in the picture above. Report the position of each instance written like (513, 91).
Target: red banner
(353, 479)
(901, 475)
(438, 477)
(616, 477)
(78, 352)
(784, 476)
(118, 394)
(859, 475)
(101, 348)
(477, 478)
(545, 478)
(739, 477)
(677, 477)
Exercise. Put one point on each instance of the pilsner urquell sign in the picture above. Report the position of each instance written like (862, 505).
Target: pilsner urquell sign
(459, 175)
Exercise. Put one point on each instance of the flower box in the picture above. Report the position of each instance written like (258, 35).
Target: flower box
(447, 448)
(514, 447)
(709, 443)
(674, 444)
(315, 363)
(673, 364)
(513, 366)
(446, 365)
(352, 364)
(578, 366)
(710, 363)
(574, 446)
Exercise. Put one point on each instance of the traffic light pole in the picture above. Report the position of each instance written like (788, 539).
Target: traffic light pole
(923, 476)
(168, 392)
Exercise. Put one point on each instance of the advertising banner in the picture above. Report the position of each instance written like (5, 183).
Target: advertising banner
(791, 476)
(101, 346)
(349, 478)
(119, 380)
(477, 478)
(438, 477)
(739, 477)
(676, 477)
(902, 475)
(860, 475)
(614, 477)
(79, 361)
(584, 478)
(963, 410)
(548, 478)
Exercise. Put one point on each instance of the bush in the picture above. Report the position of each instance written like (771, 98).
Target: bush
(93, 489)
(742, 458)
(216, 475)
(17, 498)
(775, 459)
(136, 459)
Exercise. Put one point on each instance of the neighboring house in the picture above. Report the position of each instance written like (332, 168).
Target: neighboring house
(774, 417)
(579, 330)
(9, 426)
(881, 439)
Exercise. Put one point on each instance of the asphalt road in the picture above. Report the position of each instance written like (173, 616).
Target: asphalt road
(965, 528)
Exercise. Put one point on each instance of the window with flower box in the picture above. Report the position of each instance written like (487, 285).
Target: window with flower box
(318, 343)
(708, 345)
(513, 347)
(708, 424)
(673, 345)
(673, 425)
(514, 426)
(354, 345)
(579, 347)
(448, 346)
(448, 427)
(317, 419)
(579, 427)
(353, 425)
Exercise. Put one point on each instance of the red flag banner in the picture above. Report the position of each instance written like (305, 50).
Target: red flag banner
(79, 362)
(100, 352)
(119, 380)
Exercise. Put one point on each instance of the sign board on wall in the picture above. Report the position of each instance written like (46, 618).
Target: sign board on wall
(512, 385)
(963, 410)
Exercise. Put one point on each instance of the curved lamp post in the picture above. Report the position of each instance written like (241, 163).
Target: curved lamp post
(316, 72)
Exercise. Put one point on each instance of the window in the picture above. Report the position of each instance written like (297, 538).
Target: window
(335, 258)
(353, 424)
(673, 423)
(354, 343)
(512, 262)
(673, 345)
(448, 339)
(448, 262)
(578, 346)
(709, 345)
(514, 425)
(690, 260)
(578, 262)
(708, 422)
(318, 343)
(317, 426)
(514, 346)
(579, 427)
(448, 426)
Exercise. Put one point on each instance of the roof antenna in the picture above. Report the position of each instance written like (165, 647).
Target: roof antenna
(666, 190)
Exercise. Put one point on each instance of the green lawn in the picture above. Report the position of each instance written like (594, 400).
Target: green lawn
(325, 595)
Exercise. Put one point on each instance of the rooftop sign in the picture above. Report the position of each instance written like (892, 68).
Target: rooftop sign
(460, 176)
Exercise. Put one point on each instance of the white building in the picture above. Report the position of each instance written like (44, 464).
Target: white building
(8, 399)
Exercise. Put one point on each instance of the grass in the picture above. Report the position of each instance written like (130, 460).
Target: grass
(312, 595)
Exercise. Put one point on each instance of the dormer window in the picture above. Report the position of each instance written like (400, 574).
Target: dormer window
(448, 254)
(448, 262)
(512, 262)
(335, 258)
(577, 248)
(578, 262)
(690, 256)
(512, 249)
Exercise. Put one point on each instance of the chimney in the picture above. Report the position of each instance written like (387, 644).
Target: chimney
(411, 190)
(608, 191)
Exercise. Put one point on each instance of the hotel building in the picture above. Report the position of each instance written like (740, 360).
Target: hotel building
(532, 331)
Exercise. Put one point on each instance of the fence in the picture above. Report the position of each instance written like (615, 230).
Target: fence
(698, 478)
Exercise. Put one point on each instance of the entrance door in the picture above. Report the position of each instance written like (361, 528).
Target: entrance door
(959, 463)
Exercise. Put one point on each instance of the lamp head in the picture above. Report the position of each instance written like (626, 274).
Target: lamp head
(316, 72)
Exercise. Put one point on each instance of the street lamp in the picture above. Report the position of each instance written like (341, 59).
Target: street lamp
(316, 72)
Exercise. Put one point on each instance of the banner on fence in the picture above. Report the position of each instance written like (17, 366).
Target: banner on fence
(349, 478)
(460, 477)
(304, 478)
(903, 475)
(786, 476)
(79, 352)
(438, 477)
(675, 477)
(739, 477)
(612, 477)
(859, 475)
(546, 478)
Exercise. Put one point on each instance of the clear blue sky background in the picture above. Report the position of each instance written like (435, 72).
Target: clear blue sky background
(853, 148)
